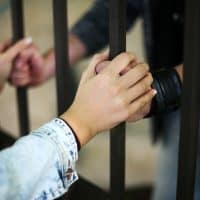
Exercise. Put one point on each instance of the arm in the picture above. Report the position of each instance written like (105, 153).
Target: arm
(42, 163)
(91, 32)
(88, 35)
(93, 27)
(39, 165)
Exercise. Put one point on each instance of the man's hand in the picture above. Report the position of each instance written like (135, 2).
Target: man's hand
(8, 54)
(104, 100)
(30, 68)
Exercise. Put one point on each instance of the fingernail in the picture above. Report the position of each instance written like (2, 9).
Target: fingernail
(28, 40)
(155, 92)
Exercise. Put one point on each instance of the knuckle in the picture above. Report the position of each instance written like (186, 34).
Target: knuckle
(144, 67)
(144, 86)
(125, 56)
(150, 78)
(97, 56)
(141, 105)
(145, 100)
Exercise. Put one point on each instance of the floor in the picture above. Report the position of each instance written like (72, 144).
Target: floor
(94, 159)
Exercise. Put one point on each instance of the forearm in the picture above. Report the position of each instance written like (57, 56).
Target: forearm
(42, 162)
(76, 51)
(93, 28)
(91, 32)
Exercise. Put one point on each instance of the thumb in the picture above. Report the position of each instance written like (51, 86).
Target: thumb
(14, 50)
(36, 63)
(101, 66)
(91, 70)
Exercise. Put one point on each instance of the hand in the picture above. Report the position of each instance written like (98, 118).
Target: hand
(104, 100)
(145, 109)
(8, 54)
(30, 68)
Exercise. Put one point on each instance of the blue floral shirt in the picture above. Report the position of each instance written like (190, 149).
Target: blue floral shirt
(40, 166)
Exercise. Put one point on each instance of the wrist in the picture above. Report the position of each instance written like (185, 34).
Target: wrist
(81, 128)
(49, 64)
(77, 49)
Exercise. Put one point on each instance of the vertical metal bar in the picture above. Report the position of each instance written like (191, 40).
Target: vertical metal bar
(190, 104)
(18, 33)
(117, 26)
(65, 82)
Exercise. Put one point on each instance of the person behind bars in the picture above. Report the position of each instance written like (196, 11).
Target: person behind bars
(42, 164)
(163, 23)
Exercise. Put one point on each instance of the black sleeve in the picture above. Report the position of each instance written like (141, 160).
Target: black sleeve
(92, 28)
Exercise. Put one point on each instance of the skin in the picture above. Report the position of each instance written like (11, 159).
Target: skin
(32, 68)
(114, 98)
(7, 55)
(40, 68)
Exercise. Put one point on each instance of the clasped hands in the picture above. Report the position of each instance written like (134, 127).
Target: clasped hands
(109, 92)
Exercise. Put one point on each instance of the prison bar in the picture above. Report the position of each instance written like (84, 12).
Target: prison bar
(65, 84)
(188, 145)
(18, 33)
(117, 40)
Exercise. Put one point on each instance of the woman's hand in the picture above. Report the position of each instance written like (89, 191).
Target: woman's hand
(8, 53)
(106, 99)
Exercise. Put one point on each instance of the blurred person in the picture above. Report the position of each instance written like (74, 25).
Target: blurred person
(42, 164)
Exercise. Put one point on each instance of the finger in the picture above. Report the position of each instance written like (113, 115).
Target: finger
(18, 75)
(23, 69)
(36, 63)
(26, 56)
(101, 66)
(22, 73)
(120, 62)
(141, 113)
(90, 71)
(5, 45)
(134, 75)
(128, 68)
(13, 51)
(139, 89)
(19, 81)
(139, 103)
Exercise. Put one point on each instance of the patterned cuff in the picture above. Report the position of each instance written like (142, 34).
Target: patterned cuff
(63, 139)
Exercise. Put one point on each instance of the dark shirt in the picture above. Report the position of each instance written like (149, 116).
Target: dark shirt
(163, 23)
(163, 28)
